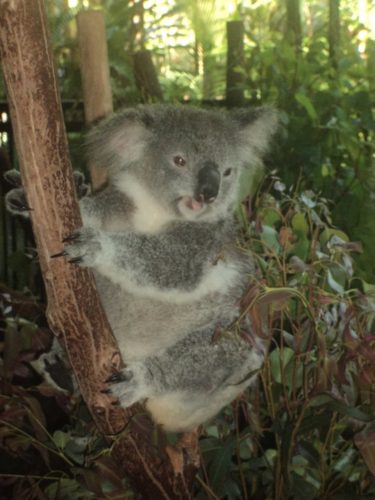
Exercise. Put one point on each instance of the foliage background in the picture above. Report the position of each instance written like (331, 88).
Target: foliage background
(309, 431)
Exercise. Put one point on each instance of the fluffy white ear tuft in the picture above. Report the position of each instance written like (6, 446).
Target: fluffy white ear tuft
(257, 127)
(129, 141)
(119, 140)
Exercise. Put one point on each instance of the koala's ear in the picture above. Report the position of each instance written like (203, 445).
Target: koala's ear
(256, 129)
(120, 139)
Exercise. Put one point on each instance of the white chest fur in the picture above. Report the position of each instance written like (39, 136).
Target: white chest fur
(149, 215)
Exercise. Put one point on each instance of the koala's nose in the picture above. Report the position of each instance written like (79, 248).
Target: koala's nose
(208, 182)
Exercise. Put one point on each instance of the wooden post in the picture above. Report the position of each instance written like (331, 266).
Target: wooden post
(235, 64)
(97, 93)
(74, 311)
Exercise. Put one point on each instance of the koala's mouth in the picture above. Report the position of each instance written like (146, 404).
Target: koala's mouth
(190, 206)
(192, 203)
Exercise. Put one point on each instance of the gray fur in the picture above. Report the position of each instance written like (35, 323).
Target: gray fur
(164, 253)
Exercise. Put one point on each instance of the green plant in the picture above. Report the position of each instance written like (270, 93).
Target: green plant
(307, 430)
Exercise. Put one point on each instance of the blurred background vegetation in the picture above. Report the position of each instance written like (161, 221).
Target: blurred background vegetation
(309, 431)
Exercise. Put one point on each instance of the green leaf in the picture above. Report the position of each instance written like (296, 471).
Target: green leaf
(66, 489)
(279, 359)
(328, 233)
(306, 103)
(60, 439)
(299, 224)
(270, 216)
(334, 284)
(221, 464)
(249, 181)
(329, 402)
(270, 238)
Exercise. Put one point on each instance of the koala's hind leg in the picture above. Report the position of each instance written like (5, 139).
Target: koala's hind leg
(191, 381)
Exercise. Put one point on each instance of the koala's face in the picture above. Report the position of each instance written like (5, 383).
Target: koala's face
(188, 160)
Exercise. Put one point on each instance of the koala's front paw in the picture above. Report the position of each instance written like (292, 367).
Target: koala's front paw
(130, 385)
(83, 247)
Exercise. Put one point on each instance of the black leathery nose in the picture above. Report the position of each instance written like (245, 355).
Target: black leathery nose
(208, 182)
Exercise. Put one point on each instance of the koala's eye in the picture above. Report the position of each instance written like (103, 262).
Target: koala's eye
(227, 172)
(179, 161)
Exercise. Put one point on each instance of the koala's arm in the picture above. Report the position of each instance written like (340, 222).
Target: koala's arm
(174, 259)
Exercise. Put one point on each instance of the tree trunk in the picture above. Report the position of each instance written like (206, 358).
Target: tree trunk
(74, 311)
(146, 77)
(41, 143)
(235, 64)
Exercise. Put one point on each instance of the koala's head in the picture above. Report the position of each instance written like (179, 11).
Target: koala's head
(189, 160)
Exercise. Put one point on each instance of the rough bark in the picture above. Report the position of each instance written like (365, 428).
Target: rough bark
(74, 311)
(97, 93)
(46, 174)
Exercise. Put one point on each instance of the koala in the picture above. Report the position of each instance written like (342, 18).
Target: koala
(161, 239)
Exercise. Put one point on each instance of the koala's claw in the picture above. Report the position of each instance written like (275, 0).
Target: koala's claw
(60, 254)
(117, 377)
(76, 260)
(72, 237)
(130, 385)
(83, 247)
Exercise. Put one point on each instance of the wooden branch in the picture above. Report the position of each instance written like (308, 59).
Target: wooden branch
(97, 93)
(74, 311)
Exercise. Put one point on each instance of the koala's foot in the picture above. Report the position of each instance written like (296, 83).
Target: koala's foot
(15, 199)
(16, 204)
(13, 177)
(82, 247)
(130, 385)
